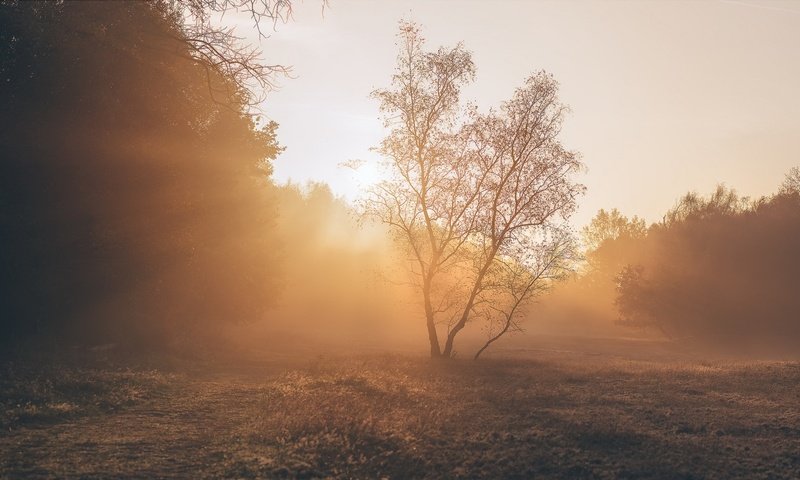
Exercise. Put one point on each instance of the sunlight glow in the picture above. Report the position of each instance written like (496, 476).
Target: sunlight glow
(360, 176)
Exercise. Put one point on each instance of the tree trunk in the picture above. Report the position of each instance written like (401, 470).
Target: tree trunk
(491, 340)
(433, 337)
(448, 346)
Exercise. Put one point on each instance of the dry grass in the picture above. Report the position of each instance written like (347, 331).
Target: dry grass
(564, 415)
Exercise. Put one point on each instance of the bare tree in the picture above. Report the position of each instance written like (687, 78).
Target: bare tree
(467, 192)
(221, 51)
(517, 280)
(426, 201)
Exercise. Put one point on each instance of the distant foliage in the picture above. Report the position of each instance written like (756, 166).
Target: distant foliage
(133, 202)
(791, 183)
(333, 291)
(611, 240)
(611, 225)
(721, 269)
(584, 304)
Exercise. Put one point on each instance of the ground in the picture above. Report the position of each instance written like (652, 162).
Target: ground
(536, 413)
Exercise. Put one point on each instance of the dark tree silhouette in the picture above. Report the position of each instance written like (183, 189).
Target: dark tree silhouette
(720, 269)
(133, 199)
(222, 53)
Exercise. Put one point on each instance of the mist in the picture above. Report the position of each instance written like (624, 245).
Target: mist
(342, 282)
(171, 307)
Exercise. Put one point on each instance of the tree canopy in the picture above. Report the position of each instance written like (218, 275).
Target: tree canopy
(721, 269)
(134, 201)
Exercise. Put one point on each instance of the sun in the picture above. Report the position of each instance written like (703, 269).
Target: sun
(368, 174)
(361, 175)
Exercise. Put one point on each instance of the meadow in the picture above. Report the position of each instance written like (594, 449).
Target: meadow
(265, 239)
(621, 409)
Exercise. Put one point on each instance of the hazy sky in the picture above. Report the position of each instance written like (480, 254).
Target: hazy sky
(666, 97)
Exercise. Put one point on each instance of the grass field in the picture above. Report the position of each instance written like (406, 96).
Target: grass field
(537, 413)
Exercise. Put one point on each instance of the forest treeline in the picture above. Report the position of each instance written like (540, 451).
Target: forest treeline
(718, 270)
(136, 206)
(132, 200)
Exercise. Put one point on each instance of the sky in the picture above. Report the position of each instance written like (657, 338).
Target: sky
(665, 97)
